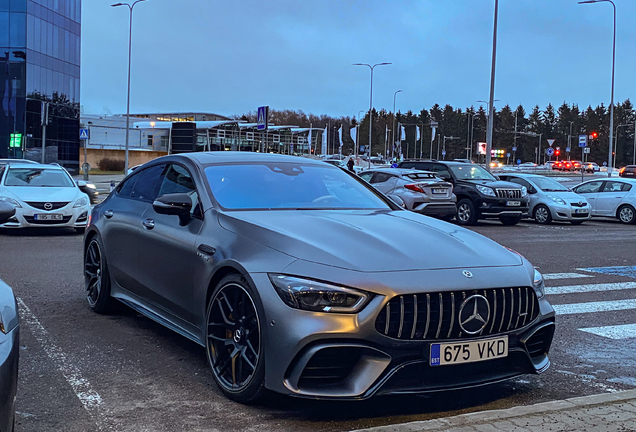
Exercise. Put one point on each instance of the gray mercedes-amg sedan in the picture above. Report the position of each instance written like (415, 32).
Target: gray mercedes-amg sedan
(300, 278)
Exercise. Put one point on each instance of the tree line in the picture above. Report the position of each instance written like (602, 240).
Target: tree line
(464, 128)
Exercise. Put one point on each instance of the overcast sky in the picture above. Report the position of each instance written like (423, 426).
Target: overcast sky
(231, 56)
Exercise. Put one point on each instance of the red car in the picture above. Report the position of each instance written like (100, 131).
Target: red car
(566, 166)
(558, 165)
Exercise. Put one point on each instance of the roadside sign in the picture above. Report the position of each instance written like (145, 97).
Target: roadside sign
(85, 134)
(605, 163)
(518, 161)
(550, 142)
(443, 152)
(507, 154)
(362, 148)
(514, 149)
(262, 118)
(582, 140)
(586, 150)
(567, 149)
(549, 151)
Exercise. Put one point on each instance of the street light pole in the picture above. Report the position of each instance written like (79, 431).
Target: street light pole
(491, 120)
(611, 140)
(371, 102)
(130, 7)
(393, 132)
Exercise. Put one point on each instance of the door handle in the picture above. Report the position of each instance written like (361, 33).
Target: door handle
(108, 213)
(206, 249)
(148, 224)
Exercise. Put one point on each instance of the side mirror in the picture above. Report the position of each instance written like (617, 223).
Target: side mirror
(81, 183)
(177, 204)
(6, 211)
(532, 191)
(396, 199)
(496, 177)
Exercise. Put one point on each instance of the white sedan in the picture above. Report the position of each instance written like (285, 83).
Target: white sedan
(43, 196)
(615, 198)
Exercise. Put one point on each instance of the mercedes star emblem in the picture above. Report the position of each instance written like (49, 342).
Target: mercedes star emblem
(48, 206)
(467, 274)
(474, 314)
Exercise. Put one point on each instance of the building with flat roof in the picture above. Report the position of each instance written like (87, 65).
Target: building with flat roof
(40, 80)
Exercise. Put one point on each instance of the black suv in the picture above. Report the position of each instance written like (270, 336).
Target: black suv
(480, 195)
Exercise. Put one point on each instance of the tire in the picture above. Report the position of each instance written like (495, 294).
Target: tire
(466, 213)
(510, 220)
(97, 278)
(448, 218)
(542, 215)
(577, 222)
(239, 357)
(626, 214)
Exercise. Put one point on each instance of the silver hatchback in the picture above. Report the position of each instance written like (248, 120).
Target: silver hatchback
(420, 191)
(550, 200)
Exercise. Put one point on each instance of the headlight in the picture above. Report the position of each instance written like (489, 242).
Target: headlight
(524, 191)
(11, 201)
(486, 190)
(318, 296)
(537, 284)
(556, 199)
(81, 202)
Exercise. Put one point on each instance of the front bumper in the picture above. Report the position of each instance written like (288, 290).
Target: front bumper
(71, 217)
(568, 212)
(496, 207)
(343, 356)
(434, 209)
(9, 355)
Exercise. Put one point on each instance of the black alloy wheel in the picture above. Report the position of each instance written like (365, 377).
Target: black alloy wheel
(466, 214)
(234, 345)
(96, 278)
(626, 214)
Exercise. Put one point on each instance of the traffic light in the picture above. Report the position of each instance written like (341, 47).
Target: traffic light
(557, 152)
(594, 135)
(15, 140)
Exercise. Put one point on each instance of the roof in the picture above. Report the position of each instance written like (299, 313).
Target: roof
(168, 125)
(220, 157)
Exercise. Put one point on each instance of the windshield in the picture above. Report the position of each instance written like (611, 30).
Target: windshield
(548, 185)
(289, 186)
(38, 177)
(471, 172)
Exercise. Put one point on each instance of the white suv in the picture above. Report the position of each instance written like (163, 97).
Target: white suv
(44, 196)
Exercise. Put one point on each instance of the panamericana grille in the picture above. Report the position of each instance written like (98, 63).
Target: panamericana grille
(41, 205)
(508, 193)
(433, 316)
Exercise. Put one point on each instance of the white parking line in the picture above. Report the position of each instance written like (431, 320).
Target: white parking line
(625, 331)
(604, 306)
(570, 289)
(90, 399)
(552, 276)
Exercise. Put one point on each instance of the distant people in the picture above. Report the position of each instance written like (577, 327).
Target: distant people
(350, 164)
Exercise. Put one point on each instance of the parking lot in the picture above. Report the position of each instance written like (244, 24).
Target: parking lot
(80, 371)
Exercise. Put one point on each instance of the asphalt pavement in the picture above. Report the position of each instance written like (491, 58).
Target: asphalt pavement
(80, 371)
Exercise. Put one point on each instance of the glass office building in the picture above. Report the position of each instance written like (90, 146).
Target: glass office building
(40, 69)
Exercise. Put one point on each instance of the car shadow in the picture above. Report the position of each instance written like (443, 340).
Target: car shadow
(40, 232)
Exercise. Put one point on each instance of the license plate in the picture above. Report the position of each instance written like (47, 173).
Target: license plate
(48, 217)
(469, 351)
(580, 211)
(439, 191)
(513, 203)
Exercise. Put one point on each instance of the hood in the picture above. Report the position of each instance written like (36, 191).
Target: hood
(568, 196)
(369, 241)
(493, 183)
(42, 194)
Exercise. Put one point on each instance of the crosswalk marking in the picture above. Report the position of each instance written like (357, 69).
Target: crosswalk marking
(552, 276)
(571, 289)
(628, 271)
(603, 306)
(625, 331)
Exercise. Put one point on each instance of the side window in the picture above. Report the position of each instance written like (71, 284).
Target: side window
(381, 178)
(441, 171)
(146, 186)
(366, 176)
(591, 187)
(125, 189)
(521, 182)
(614, 186)
(178, 180)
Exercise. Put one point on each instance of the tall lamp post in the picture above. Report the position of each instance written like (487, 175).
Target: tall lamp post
(130, 7)
(371, 102)
(611, 140)
(393, 133)
(491, 120)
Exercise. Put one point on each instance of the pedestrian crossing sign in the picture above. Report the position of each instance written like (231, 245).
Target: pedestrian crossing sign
(262, 117)
(84, 134)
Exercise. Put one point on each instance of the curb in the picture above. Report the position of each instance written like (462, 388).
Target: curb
(482, 417)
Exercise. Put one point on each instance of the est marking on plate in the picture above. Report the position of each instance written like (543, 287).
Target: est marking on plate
(42, 217)
(469, 351)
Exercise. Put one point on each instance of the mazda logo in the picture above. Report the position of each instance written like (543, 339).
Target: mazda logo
(474, 314)
(48, 206)
(467, 274)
